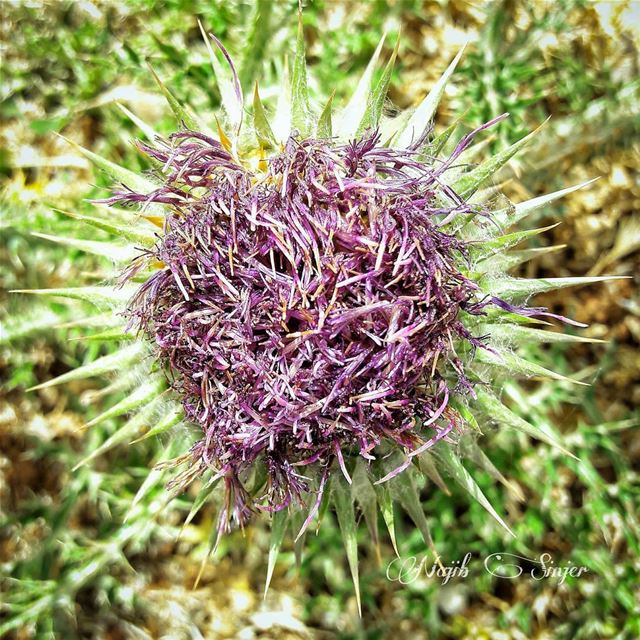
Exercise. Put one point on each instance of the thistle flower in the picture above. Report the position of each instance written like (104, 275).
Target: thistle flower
(329, 302)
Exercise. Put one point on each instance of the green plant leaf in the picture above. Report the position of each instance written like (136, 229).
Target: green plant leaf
(376, 98)
(153, 478)
(134, 232)
(343, 504)
(325, 126)
(488, 248)
(261, 123)
(386, 508)
(299, 90)
(475, 453)
(182, 114)
(404, 491)
(505, 261)
(452, 464)
(126, 431)
(102, 297)
(435, 146)
(201, 498)
(170, 420)
(495, 410)
(134, 181)
(518, 335)
(517, 365)
(428, 467)
(424, 113)
(365, 495)
(144, 394)
(228, 83)
(258, 36)
(523, 209)
(522, 287)
(279, 522)
(111, 362)
(148, 131)
(353, 113)
(116, 252)
(468, 183)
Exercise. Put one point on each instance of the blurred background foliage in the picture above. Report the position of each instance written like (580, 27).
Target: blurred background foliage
(96, 552)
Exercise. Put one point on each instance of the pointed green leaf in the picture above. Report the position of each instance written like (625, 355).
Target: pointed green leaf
(203, 495)
(476, 151)
(144, 394)
(131, 232)
(14, 328)
(299, 90)
(258, 37)
(424, 113)
(511, 259)
(363, 492)
(279, 522)
(404, 491)
(520, 287)
(452, 464)
(325, 126)
(376, 98)
(124, 382)
(183, 116)
(146, 129)
(343, 503)
(386, 508)
(519, 335)
(468, 183)
(297, 520)
(101, 297)
(257, 478)
(517, 365)
(471, 226)
(353, 113)
(465, 413)
(127, 217)
(498, 412)
(487, 248)
(429, 469)
(134, 181)
(110, 335)
(435, 146)
(153, 478)
(497, 315)
(228, 83)
(260, 122)
(100, 320)
(126, 432)
(110, 250)
(214, 538)
(391, 127)
(281, 122)
(523, 209)
(490, 193)
(98, 367)
(170, 420)
(324, 507)
(475, 453)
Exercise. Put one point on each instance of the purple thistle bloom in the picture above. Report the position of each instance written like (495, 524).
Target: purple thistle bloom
(307, 313)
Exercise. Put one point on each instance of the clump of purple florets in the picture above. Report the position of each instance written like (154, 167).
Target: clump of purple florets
(306, 312)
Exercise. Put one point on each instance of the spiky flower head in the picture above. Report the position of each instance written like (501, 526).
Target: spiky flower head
(329, 301)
